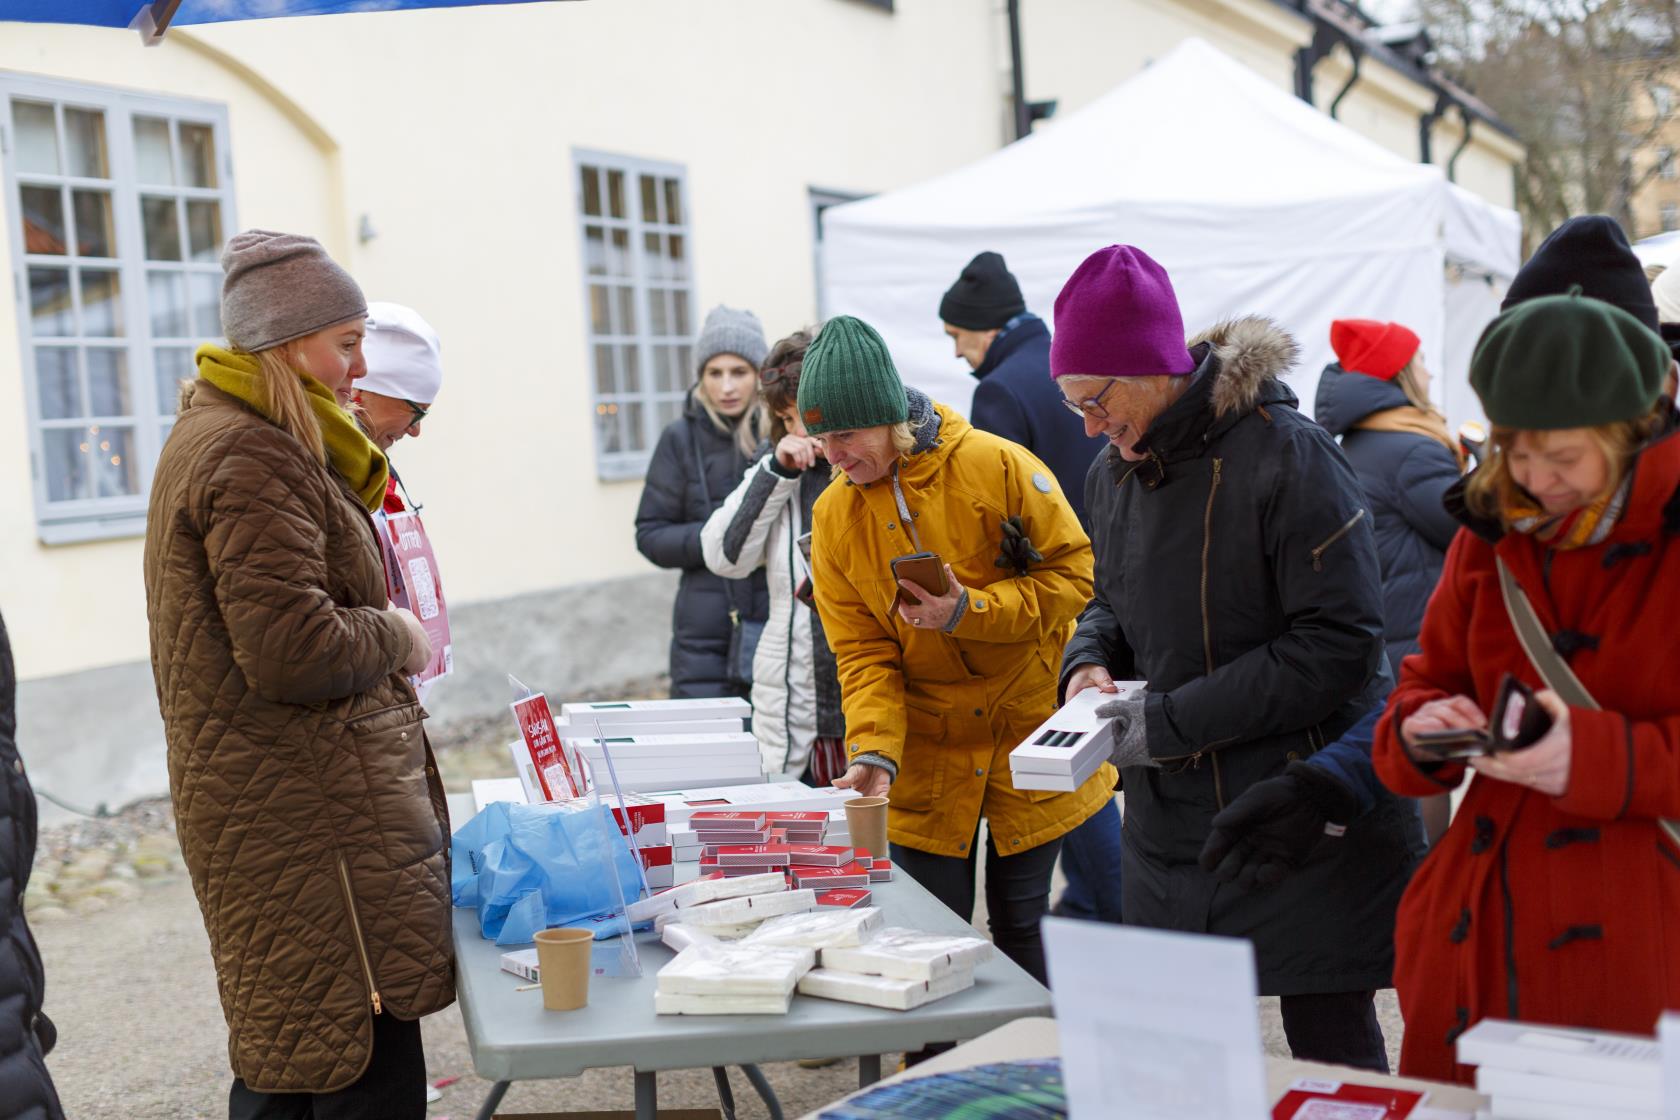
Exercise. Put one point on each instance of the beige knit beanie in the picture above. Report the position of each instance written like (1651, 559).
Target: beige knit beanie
(279, 287)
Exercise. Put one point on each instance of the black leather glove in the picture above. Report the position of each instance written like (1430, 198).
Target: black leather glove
(1131, 737)
(1271, 829)
(1018, 552)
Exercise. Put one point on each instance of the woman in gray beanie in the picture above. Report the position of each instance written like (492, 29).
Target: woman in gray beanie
(306, 798)
(698, 462)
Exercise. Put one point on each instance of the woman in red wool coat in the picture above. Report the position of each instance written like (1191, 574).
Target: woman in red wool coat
(1555, 895)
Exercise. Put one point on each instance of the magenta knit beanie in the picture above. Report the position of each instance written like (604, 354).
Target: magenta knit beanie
(1117, 317)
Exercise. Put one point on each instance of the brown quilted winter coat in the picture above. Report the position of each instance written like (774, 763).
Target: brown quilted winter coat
(306, 798)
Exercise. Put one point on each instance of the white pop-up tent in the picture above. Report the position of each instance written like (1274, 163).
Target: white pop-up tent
(1254, 201)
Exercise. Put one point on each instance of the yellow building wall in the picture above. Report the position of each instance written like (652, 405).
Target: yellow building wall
(454, 131)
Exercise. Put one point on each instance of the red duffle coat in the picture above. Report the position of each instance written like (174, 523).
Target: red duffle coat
(1563, 909)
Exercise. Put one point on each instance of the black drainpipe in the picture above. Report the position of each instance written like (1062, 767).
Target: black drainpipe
(1018, 79)
(1307, 58)
(1452, 161)
(1353, 78)
(1426, 125)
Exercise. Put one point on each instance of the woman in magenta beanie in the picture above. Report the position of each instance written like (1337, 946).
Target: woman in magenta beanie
(1236, 573)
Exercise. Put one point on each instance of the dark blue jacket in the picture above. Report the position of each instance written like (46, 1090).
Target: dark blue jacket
(1404, 476)
(26, 1092)
(1017, 400)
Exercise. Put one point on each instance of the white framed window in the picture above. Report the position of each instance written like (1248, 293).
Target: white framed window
(638, 281)
(117, 205)
(1670, 217)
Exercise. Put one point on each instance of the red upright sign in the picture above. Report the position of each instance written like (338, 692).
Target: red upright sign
(557, 772)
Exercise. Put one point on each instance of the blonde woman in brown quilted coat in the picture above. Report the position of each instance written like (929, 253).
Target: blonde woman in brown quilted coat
(307, 802)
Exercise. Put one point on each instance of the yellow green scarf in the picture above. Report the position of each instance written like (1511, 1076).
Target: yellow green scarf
(349, 451)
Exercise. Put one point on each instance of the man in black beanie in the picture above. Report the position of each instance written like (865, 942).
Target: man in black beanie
(1593, 252)
(1008, 348)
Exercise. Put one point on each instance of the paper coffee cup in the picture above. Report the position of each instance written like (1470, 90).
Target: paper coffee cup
(866, 821)
(563, 963)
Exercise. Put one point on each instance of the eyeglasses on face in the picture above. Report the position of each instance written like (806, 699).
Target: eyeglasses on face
(416, 413)
(1093, 407)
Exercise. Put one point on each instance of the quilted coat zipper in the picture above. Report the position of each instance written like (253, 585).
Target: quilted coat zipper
(1318, 553)
(1207, 619)
(356, 930)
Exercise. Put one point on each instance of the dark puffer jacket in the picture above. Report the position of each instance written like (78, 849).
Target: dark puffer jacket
(26, 1092)
(1016, 399)
(1404, 476)
(1236, 573)
(676, 502)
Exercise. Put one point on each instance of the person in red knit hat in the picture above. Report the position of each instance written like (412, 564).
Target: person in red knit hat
(1375, 398)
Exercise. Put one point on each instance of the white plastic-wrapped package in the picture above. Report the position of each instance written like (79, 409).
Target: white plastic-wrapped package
(821, 929)
(665, 1003)
(753, 908)
(883, 991)
(717, 933)
(679, 936)
(735, 970)
(910, 954)
(701, 891)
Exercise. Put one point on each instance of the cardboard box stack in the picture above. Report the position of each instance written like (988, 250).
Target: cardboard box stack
(1065, 750)
(897, 969)
(724, 979)
(664, 744)
(1557, 1073)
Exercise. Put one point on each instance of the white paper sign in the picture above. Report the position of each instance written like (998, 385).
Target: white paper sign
(1156, 1025)
(1668, 1033)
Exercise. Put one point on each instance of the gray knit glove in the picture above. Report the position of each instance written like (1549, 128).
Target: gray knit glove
(1131, 738)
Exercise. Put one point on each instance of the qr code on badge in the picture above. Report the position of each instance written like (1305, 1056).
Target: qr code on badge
(422, 589)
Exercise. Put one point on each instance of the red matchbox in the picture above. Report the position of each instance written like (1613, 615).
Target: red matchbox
(843, 899)
(817, 855)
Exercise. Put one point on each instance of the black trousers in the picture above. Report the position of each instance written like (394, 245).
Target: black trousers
(392, 1088)
(1339, 1027)
(1017, 894)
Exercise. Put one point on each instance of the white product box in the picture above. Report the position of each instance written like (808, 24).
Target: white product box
(682, 804)
(1060, 782)
(883, 991)
(701, 891)
(665, 1003)
(1615, 1059)
(678, 936)
(752, 908)
(1074, 734)
(586, 729)
(820, 929)
(909, 954)
(735, 970)
(639, 748)
(585, 712)
(1506, 1084)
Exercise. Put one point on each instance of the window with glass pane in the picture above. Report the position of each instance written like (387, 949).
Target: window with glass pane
(122, 204)
(638, 303)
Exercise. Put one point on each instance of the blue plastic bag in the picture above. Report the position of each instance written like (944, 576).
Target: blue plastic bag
(529, 867)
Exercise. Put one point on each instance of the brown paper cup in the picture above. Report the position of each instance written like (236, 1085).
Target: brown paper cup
(866, 818)
(563, 964)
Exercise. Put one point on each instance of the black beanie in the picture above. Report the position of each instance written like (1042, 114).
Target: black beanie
(1592, 252)
(985, 296)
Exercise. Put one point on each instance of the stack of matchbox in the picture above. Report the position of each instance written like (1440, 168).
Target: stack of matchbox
(1560, 1073)
(756, 843)
(897, 968)
(1065, 750)
(664, 744)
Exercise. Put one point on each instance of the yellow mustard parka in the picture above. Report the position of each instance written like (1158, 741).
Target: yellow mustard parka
(948, 708)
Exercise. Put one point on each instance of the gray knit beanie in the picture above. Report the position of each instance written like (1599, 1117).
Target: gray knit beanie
(282, 286)
(728, 331)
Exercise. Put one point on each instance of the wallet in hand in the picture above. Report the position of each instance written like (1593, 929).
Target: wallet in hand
(1518, 721)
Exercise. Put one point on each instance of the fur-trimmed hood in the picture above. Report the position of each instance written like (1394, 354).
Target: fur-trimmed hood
(1250, 352)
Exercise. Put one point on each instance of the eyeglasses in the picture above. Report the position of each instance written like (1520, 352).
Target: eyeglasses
(772, 374)
(417, 413)
(1093, 407)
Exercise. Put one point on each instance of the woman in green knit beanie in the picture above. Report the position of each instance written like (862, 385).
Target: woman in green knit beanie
(938, 687)
(1559, 877)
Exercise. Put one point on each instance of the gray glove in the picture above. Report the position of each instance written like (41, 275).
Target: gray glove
(1131, 739)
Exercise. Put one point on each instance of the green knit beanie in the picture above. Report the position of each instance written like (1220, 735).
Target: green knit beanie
(848, 380)
(1567, 362)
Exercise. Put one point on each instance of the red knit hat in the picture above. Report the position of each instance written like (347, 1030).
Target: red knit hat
(1372, 348)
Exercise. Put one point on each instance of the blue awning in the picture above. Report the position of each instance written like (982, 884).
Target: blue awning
(121, 13)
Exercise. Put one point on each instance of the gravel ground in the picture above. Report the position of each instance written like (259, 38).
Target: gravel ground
(132, 989)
